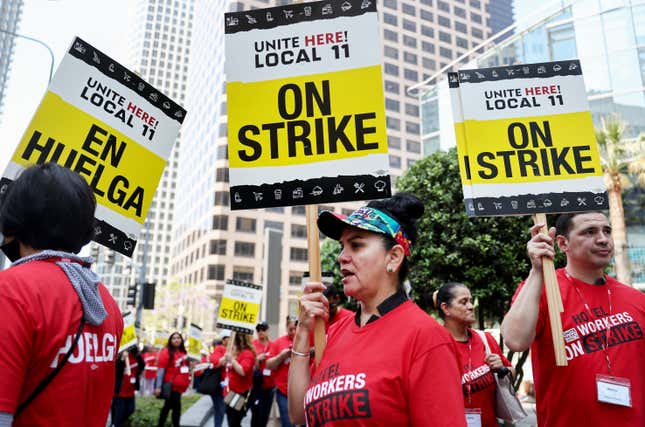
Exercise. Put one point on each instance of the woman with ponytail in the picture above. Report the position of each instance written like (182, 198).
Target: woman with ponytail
(454, 303)
(391, 364)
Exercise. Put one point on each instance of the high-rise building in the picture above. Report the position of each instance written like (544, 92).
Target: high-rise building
(501, 15)
(160, 54)
(214, 243)
(10, 14)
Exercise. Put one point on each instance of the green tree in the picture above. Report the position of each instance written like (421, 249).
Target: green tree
(620, 158)
(487, 254)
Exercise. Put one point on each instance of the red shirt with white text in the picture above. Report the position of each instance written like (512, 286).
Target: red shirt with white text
(41, 313)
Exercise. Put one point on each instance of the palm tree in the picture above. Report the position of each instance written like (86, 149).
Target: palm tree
(619, 157)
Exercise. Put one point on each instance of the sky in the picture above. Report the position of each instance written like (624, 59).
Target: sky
(105, 24)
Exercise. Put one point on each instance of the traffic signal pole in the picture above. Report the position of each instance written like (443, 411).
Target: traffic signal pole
(142, 278)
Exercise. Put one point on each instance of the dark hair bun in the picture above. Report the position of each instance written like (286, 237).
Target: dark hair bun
(406, 208)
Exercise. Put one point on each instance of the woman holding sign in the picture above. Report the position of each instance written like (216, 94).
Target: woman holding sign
(173, 378)
(391, 364)
(240, 360)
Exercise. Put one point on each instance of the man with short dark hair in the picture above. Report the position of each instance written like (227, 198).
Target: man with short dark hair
(603, 320)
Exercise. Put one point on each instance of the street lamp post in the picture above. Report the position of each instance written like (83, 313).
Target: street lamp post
(40, 42)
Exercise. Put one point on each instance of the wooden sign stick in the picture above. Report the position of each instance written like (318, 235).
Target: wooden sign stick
(231, 342)
(313, 245)
(553, 297)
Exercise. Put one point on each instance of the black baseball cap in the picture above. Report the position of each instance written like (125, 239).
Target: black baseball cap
(262, 326)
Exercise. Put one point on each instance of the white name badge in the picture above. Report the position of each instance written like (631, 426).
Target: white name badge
(614, 390)
(183, 369)
(473, 417)
(266, 372)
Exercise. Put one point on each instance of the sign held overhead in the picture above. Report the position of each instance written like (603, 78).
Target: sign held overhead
(103, 121)
(526, 140)
(298, 132)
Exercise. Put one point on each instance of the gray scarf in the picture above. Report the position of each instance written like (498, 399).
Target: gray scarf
(84, 281)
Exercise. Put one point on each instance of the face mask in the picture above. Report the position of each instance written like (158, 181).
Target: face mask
(11, 250)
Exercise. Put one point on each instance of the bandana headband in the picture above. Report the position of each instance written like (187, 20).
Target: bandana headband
(365, 218)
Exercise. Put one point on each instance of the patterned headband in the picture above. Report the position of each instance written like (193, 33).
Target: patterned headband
(379, 222)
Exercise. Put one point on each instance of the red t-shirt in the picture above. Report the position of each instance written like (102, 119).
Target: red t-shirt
(478, 383)
(281, 373)
(567, 395)
(218, 352)
(178, 366)
(400, 370)
(150, 371)
(236, 382)
(267, 375)
(129, 381)
(340, 315)
(41, 313)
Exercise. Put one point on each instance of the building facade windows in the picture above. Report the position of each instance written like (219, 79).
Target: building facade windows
(298, 231)
(243, 274)
(391, 104)
(221, 198)
(295, 278)
(217, 247)
(276, 225)
(220, 222)
(215, 272)
(244, 249)
(408, 9)
(298, 254)
(245, 225)
(409, 25)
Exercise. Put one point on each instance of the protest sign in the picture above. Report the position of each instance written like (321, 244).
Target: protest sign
(129, 337)
(530, 140)
(101, 120)
(460, 138)
(240, 306)
(160, 339)
(195, 342)
(306, 118)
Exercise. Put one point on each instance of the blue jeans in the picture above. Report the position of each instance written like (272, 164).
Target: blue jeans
(219, 408)
(283, 406)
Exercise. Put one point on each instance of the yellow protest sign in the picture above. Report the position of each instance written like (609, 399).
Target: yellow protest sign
(129, 337)
(194, 342)
(526, 140)
(240, 306)
(161, 339)
(306, 117)
(101, 120)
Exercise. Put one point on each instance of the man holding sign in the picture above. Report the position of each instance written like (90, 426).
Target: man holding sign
(602, 321)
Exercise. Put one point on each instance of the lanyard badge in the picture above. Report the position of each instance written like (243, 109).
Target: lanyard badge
(473, 417)
(614, 390)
